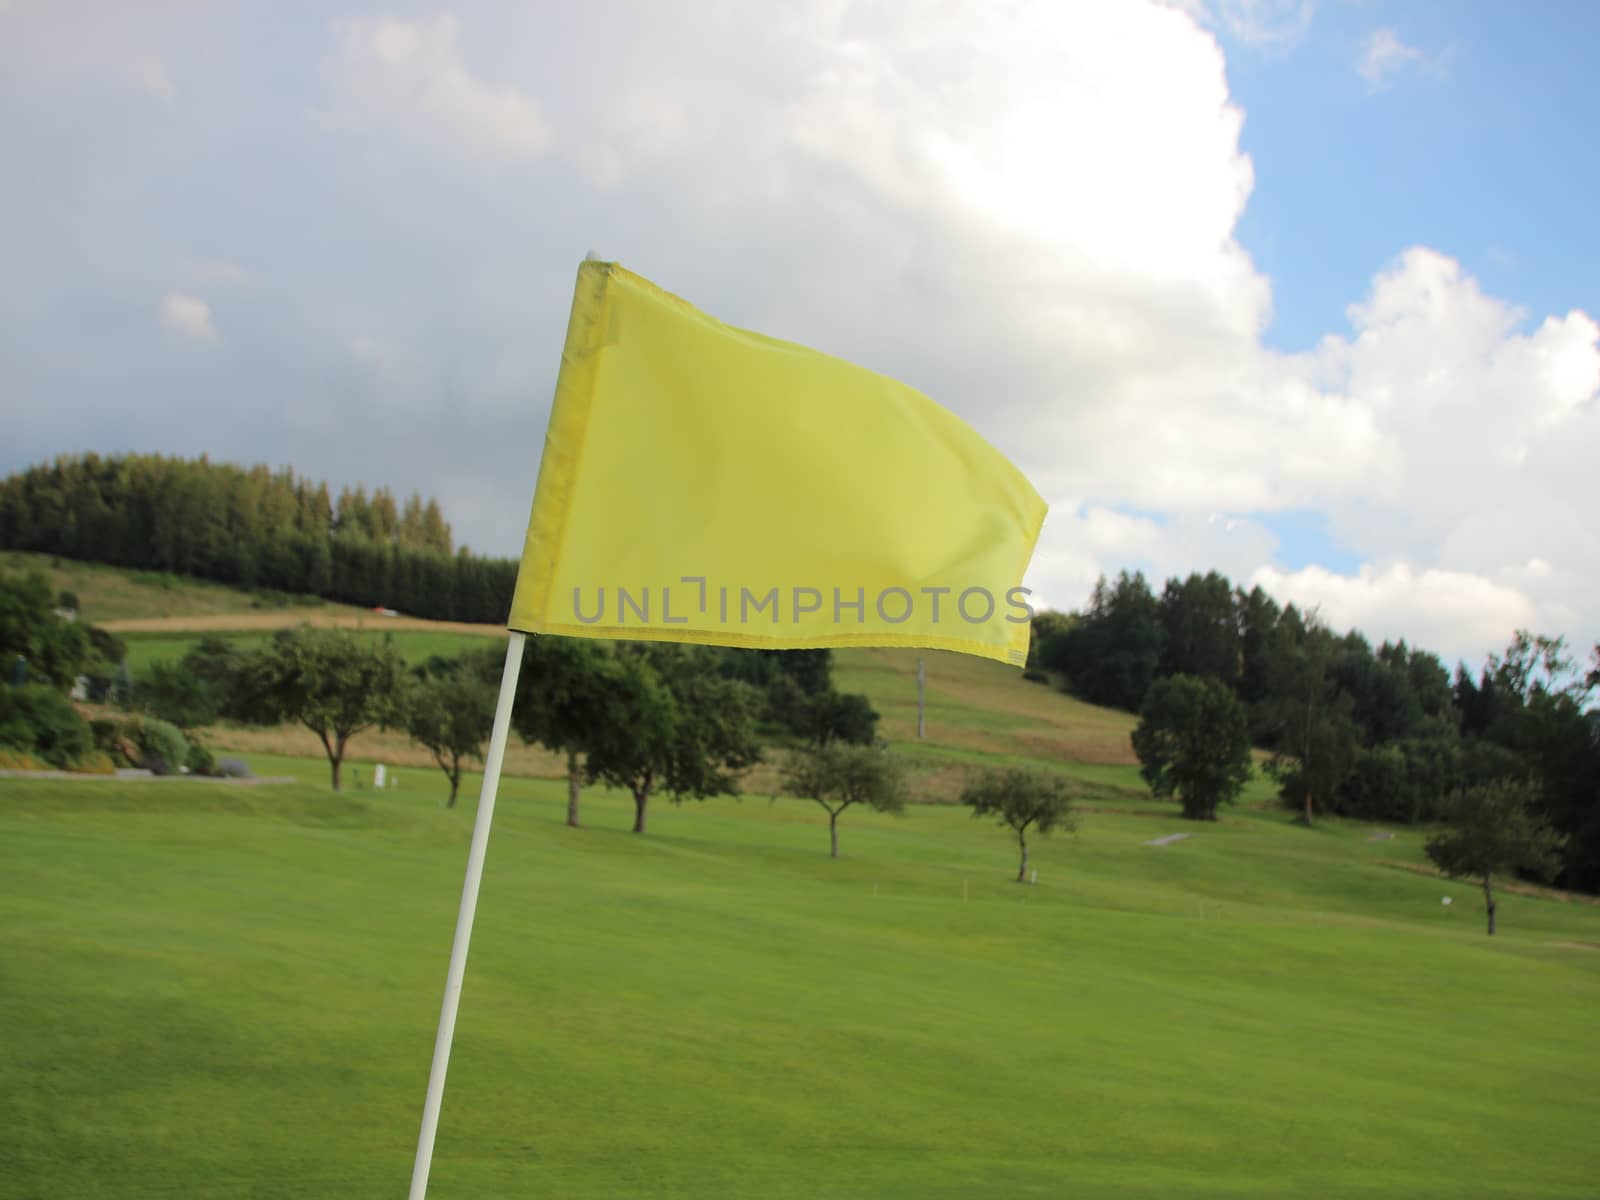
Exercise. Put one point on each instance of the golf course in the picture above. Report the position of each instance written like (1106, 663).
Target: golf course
(221, 989)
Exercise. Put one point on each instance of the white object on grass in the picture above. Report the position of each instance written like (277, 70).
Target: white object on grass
(377, 775)
(1445, 902)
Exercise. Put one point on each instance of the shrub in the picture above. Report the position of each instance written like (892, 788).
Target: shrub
(16, 760)
(162, 748)
(41, 721)
(96, 762)
(118, 739)
(200, 760)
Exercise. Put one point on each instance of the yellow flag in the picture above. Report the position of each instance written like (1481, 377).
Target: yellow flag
(702, 483)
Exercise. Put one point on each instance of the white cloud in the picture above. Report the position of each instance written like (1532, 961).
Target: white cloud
(1383, 57)
(189, 315)
(1031, 216)
(1037, 226)
(1451, 612)
(410, 76)
(1266, 24)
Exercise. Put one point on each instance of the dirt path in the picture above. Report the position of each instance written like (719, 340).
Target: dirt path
(288, 618)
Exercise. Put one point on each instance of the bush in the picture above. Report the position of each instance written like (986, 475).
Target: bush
(96, 762)
(117, 740)
(174, 693)
(40, 721)
(200, 760)
(162, 748)
(16, 760)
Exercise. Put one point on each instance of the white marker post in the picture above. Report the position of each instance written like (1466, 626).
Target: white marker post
(469, 906)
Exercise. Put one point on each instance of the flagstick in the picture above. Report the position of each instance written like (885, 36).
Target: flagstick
(469, 905)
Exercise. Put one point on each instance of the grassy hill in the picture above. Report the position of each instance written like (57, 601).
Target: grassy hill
(111, 594)
(231, 992)
(978, 712)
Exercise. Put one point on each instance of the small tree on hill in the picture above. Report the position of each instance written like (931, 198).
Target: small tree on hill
(1022, 800)
(1193, 741)
(673, 723)
(450, 713)
(1490, 829)
(831, 716)
(837, 776)
(329, 680)
(569, 690)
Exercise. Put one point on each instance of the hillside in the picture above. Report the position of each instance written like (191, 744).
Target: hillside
(977, 711)
(110, 594)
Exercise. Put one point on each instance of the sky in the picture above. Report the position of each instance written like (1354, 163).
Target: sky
(1304, 291)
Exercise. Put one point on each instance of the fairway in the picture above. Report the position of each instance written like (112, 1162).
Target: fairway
(231, 992)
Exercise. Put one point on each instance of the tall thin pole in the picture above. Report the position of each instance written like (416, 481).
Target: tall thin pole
(469, 906)
(922, 720)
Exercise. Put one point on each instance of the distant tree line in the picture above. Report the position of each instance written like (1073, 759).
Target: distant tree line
(254, 528)
(1379, 734)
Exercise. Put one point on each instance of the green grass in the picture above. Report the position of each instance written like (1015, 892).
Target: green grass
(116, 593)
(415, 646)
(225, 992)
(984, 708)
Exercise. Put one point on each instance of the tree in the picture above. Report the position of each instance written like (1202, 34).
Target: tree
(1022, 800)
(1047, 640)
(1201, 625)
(675, 723)
(565, 698)
(837, 776)
(55, 650)
(1317, 739)
(832, 716)
(330, 680)
(41, 721)
(1490, 829)
(194, 691)
(450, 713)
(1193, 741)
(1112, 653)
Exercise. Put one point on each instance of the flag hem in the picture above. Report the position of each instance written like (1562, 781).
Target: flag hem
(1009, 654)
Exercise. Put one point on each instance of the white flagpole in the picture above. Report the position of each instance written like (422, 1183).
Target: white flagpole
(469, 905)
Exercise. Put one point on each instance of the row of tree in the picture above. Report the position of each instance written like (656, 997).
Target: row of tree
(254, 528)
(646, 718)
(1381, 734)
(1193, 743)
(649, 718)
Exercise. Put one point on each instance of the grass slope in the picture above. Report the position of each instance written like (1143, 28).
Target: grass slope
(415, 645)
(232, 993)
(978, 712)
(116, 593)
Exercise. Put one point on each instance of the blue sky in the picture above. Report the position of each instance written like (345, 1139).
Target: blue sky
(1299, 290)
(1477, 147)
